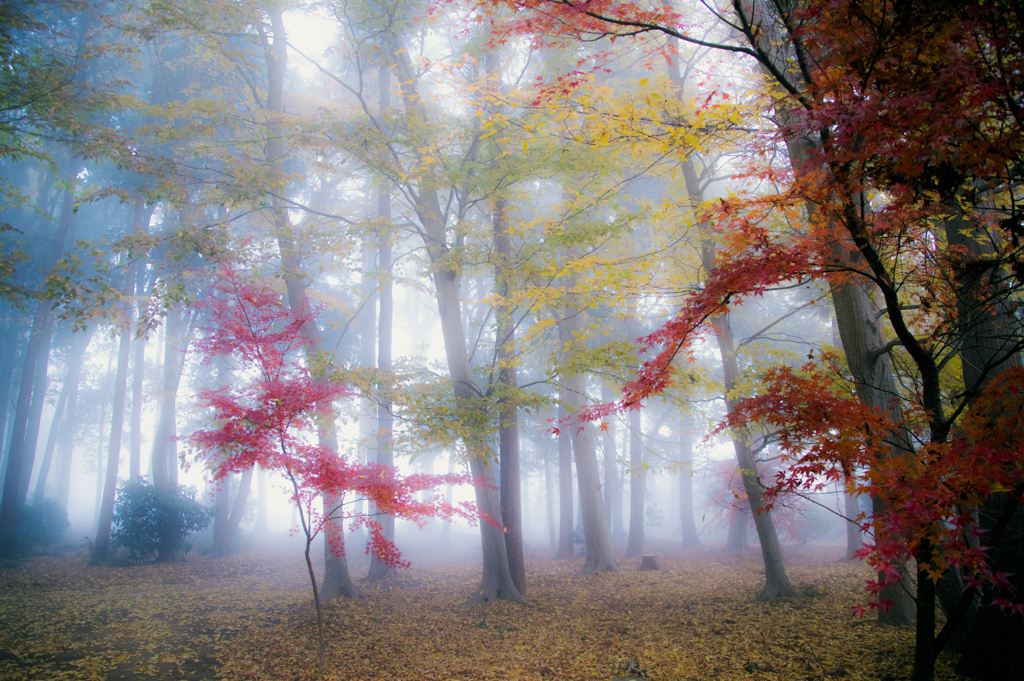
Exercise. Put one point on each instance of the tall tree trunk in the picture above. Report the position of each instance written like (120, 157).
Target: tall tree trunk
(610, 466)
(385, 326)
(565, 501)
(549, 493)
(51, 440)
(989, 637)
(687, 520)
(597, 537)
(637, 474)
(21, 451)
(79, 344)
(138, 373)
(102, 543)
(776, 581)
(854, 538)
(508, 419)
(163, 460)
(496, 582)
(337, 581)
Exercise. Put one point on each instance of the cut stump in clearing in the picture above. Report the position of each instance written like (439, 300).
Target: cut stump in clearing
(648, 563)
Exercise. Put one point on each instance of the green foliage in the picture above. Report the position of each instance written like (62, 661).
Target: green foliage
(41, 526)
(148, 522)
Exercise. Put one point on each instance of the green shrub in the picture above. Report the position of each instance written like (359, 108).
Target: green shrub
(41, 526)
(152, 524)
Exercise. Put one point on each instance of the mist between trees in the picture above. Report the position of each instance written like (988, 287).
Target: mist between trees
(580, 272)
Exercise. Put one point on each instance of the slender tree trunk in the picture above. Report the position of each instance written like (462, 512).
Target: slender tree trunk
(597, 537)
(637, 474)
(854, 538)
(508, 419)
(687, 519)
(385, 421)
(21, 451)
(776, 581)
(610, 466)
(447, 527)
(51, 441)
(549, 493)
(79, 344)
(102, 543)
(496, 582)
(337, 581)
(138, 373)
(163, 459)
(565, 501)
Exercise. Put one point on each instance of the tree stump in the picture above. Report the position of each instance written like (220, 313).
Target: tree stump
(648, 563)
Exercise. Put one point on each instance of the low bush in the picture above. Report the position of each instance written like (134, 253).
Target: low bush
(150, 524)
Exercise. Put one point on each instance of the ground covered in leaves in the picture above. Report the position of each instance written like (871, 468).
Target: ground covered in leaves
(251, 617)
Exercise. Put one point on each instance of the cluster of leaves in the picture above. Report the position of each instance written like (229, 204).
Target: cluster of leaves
(828, 437)
(268, 419)
(150, 523)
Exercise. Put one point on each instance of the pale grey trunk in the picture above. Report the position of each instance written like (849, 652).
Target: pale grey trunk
(496, 582)
(337, 581)
(687, 519)
(596, 535)
(79, 344)
(106, 514)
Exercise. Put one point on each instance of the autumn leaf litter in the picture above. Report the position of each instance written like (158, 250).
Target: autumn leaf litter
(250, 617)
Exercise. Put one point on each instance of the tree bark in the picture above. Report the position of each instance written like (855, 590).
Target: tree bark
(496, 582)
(776, 581)
(508, 419)
(565, 500)
(597, 537)
(79, 345)
(385, 327)
(20, 456)
(637, 474)
(106, 514)
(687, 519)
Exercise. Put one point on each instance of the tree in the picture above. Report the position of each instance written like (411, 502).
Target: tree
(866, 101)
(267, 423)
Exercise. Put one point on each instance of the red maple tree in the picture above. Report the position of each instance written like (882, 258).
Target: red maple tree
(267, 419)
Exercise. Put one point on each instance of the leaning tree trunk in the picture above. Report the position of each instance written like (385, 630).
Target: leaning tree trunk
(565, 500)
(337, 581)
(776, 582)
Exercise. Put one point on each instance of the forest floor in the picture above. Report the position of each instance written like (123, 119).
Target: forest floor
(250, 616)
